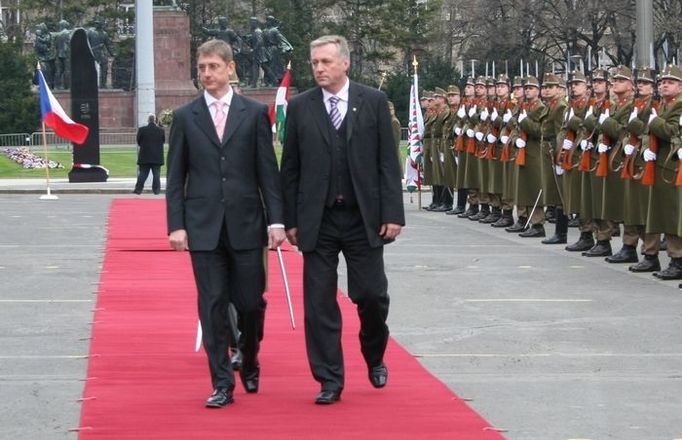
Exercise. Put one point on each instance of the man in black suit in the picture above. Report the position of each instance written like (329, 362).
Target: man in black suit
(150, 139)
(342, 193)
(222, 187)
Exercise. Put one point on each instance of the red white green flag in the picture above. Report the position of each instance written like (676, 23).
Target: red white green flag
(278, 111)
(414, 159)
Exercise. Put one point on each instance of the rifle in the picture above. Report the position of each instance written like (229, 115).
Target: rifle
(649, 174)
(481, 146)
(459, 142)
(471, 141)
(521, 155)
(603, 163)
(628, 165)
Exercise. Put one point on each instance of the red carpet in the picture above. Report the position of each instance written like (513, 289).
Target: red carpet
(146, 382)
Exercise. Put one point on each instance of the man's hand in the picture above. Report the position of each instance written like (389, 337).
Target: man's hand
(389, 231)
(178, 240)
(275, 237)
(292, 236)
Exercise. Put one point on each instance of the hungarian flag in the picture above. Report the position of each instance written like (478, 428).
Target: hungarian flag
(53, 115)
(415, 152)
(278, 111)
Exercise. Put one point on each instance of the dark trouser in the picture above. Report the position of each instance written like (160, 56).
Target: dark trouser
(144, 173)
(342, 230)
(226, 275)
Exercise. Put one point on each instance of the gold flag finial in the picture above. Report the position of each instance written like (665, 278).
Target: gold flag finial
(414, 63)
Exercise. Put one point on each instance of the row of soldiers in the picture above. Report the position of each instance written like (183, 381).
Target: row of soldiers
(607, 154)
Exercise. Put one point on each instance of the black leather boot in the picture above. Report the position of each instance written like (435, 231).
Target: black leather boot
(584, 243)
(601, 249)
(535, 231)
(560, 229)
(672, 272)
(650, 263)
(627, 254)
(506, 219)
(494, 216)
(457, 210)
(519, 226)
(435, 198)
(483, 213)
(472, 210)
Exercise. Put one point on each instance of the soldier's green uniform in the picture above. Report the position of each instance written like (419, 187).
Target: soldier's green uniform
(449, 141)
(471, 176)
(664, 213)
(461, 154)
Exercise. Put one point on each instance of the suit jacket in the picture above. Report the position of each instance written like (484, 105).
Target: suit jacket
(372, 161)
(150, 138)
(234, 182)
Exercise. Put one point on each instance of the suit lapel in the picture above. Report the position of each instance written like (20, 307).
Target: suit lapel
(235, 116)
(355, 102)
(202, 117)
(319, 113)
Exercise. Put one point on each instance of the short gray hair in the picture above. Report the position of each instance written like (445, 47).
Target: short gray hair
(340, 42)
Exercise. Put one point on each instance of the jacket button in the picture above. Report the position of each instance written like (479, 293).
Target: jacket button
(222, 157)
(224, 179)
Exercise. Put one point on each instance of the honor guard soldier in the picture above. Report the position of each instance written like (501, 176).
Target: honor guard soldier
(471, 178)
(460, 148)
(442, 113)
(664, 213)
(449, 138)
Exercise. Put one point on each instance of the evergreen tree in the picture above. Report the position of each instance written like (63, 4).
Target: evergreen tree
(20, 107)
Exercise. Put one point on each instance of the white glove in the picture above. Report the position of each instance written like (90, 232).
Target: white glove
(583, 145)
(520, 143)
(604, 116)
(567, 144)
(570, 115)
(504, 139)
(602, 148)
(461, 113)
(559, 170)
(522, 116)
(653, 115)
(633, 115)
(479, 136)
(679, 152)
(458, 131)
(590, 112)
(484, 114)
(508, 115)
(470, 133)
(472, 111)
(441, 156)
(491, 138)
(649, 155)
(680, 120)
(629, 149)
(494, 114)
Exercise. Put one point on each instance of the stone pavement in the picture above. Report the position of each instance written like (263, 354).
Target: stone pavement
(545, 344)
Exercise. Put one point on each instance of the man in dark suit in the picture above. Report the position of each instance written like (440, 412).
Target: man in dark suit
(223, 185)
(343, 193)
(150, 139)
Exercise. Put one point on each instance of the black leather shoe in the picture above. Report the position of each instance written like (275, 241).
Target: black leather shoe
(327, 397)
(535, 231)
(430, 207)
(601, 249)
(672, 272)
(378, 375)
(137, 192)
(456, 211)
(504, 222)
(442, 208)
(627, 254)
(491, 218)
(519, 226)
(220, 398)
(236, 359)
(250, 380)
(555, 239)
(585, 243)
(650, 263)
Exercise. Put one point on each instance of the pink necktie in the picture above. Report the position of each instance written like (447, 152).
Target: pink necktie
(219, 118)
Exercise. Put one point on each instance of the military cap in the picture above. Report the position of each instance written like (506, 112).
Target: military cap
(453, 90)
(480, 81)
(502, 79)
(470, 81)
(622, 72)
(672, 72)
(438, 92)
(645, 74)
(489, 81)
(578, 76)
(428, 94)
(600, 75)
(531, 81)
(550, 79)
(518, 81)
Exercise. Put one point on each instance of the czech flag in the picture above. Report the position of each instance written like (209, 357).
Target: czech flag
(53, 115)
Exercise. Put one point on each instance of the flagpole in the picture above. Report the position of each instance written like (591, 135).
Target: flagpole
(49, 195)
(419, 166)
